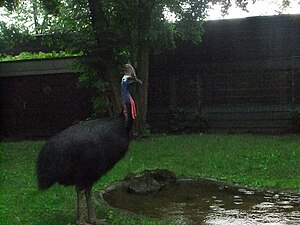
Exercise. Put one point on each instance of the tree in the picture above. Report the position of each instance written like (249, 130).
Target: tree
(28, 16)
(138, 27)
(9, 4)
(114, 31)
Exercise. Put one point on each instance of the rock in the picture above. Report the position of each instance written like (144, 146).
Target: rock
(144, 185)
(149, 181)
(161, 175)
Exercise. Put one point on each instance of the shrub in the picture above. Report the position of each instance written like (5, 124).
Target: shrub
(182, 122)
(296, 119)
(39, 55)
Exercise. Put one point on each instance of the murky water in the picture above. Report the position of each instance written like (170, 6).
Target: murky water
(206, 202)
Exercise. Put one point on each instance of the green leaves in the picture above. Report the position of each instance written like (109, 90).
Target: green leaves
(190, 30)
(9, 4)
(39, 55)
(52, 6)
(10, 36)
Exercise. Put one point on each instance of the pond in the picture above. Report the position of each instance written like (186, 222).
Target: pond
(209, 202)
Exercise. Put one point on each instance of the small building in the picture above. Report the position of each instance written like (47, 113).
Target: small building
(40, 97)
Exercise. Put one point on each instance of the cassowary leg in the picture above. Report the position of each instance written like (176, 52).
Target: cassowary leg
(91, 212)
(80, 196)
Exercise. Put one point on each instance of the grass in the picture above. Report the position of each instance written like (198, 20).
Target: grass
(259, 161)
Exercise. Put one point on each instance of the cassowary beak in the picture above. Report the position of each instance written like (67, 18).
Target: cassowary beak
(130, 70)
(138, 81)
(135, 79)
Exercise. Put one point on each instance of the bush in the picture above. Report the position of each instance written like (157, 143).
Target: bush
(39, 55)
(296, 119)
(182, 122)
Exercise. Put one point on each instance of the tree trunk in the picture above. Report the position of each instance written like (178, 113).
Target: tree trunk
(143, 25)
(111, 73)
(113, 77)
(110, 70)
(141, 92)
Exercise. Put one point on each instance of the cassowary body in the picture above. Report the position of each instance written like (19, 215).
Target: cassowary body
(84, 152)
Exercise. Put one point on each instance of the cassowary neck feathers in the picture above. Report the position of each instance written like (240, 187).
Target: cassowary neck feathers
(128, 105)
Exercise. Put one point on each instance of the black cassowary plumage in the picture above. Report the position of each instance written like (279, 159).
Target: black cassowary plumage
(84, 152)
(81, 154)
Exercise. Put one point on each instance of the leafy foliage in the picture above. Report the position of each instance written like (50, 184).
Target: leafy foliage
(70, 28)
(295, 115)
(9, 4)
(39, 55)
(182, 122)
(28, 16)
(90, 77)
(10, 36)
(123, 25)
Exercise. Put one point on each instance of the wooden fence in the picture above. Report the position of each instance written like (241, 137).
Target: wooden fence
(244, 75)
(250, 96)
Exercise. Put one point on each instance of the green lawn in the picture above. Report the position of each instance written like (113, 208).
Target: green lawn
(260, 161)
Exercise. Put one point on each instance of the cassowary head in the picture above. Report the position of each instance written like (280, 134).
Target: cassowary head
(129, 77)
(129, 71)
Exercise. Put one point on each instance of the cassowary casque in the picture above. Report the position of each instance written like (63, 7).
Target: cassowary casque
(84, 152)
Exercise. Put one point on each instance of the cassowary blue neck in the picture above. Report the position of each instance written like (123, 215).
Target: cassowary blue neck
(128, 105)
(125, 92)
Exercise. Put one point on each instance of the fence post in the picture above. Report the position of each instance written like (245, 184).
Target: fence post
(199, 93)
(173, 90)
(293, 81)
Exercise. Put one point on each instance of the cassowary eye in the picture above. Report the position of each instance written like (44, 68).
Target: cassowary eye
(126, 79)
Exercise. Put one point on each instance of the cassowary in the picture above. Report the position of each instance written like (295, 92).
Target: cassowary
(84, 152)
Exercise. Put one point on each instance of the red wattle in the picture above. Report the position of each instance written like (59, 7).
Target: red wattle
(133, 109)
